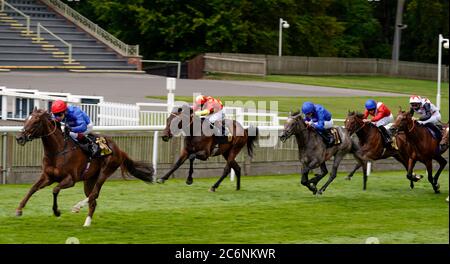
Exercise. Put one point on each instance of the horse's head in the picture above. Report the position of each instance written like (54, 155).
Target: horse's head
(174, 121)
(402, 121)
(35, 126)
(353, 122)
(293, 124)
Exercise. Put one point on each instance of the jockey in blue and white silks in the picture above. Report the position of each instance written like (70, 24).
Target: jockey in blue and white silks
(320, 118)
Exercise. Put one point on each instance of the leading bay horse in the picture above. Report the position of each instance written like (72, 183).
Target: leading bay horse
(313, 152)
(422, 146)
(201, 146)
(372, 145)
(65, 163)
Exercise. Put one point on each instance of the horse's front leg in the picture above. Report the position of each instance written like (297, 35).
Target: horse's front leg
(41, 183)
(183, 157)
(305, 182)
(409, 174)
(189, 179)
(65, 183)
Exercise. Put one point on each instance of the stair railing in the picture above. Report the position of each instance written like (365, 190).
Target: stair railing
(69, 46)
(2, 8)
(92, 28)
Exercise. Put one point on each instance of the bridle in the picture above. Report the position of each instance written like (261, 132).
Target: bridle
(30, 137)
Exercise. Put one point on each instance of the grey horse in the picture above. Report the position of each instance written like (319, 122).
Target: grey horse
(313, 152)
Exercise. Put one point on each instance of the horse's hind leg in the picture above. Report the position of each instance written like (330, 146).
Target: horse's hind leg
(65, 183)
(183, 157)
(350, 175)
(96, 191)
(41, 183)
(336, 162)
(230, 163)
(442, 163)
(88, 186)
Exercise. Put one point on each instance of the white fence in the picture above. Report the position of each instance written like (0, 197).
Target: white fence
(116, 114)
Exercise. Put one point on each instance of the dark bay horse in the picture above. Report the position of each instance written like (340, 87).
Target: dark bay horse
(421, 147)
(65, 163)
(372, 145)
(201, 146)
(313, 152)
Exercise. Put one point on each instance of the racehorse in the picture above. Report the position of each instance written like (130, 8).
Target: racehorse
(200, 146)
(372, 144)
(314, 153)
(65, 163)
(422, 146)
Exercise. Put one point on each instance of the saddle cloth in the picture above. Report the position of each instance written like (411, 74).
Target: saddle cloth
(435, 131)
(101, 147)
(335, 133)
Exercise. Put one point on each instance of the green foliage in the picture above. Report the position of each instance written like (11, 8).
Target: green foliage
(177, 29)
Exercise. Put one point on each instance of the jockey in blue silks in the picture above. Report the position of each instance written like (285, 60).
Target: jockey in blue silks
(320, 118)
(76, 120)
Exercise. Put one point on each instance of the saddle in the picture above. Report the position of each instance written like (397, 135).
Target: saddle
(435, 131)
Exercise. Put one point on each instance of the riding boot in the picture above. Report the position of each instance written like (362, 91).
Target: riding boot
(328, 137)
(219, 132)
(385, 135)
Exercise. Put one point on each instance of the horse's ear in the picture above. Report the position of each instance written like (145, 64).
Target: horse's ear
(35, 109)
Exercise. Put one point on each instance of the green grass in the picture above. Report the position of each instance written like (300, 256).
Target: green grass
(372, 83)
(340, 105)
(268, 209)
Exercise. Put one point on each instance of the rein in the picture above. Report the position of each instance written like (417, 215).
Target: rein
(361, 127)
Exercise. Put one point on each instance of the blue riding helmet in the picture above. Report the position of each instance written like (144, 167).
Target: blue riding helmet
(307, 108)
(371, 104)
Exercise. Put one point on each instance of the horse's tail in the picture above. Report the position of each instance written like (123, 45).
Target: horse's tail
(252, 138)
(137, 169)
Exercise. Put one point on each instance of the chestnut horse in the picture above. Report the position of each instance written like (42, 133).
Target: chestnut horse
(65, 163)
(421, 147)
(201, 146)
(372, 145)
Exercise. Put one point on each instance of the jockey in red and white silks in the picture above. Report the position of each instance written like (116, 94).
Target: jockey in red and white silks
(428, 111)
(209, 107)
(382, 116)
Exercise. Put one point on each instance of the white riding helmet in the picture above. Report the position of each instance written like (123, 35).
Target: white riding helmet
(415, 99)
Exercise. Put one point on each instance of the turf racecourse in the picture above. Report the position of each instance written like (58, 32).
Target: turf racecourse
(268, 209)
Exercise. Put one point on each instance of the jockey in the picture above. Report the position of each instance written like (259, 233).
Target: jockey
(382, 116)
(428, 111)
(319, 118)
(430, 114)
(76, 120)
(211, 108)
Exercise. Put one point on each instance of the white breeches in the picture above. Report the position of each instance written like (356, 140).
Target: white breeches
(384, 121)
(216, 117)
(435, 118)
(88, 130)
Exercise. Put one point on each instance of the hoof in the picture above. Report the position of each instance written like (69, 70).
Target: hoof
(319, 193)
(437, 188)
(312, 187)
(160, 180)
(348, 178)
(417, 178)
(57, 213)
(19, 213)
(76, 210)
(189, 182)
(212, 189)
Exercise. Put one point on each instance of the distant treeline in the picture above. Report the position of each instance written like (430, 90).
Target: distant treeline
(181, 29)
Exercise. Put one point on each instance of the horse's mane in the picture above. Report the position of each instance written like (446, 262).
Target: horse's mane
(356, 113)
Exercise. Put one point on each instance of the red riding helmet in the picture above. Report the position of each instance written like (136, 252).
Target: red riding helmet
(201, 99)
(58, 106)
